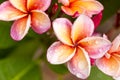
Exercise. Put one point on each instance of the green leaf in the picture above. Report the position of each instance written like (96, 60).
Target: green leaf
(19, 65)
(98, 75)
(59, 69)
(5, 39)
(33, 74)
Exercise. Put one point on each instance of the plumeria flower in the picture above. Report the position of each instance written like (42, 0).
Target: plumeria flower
(110, 63)
(75, 7)
(26, 13)
(76, 45)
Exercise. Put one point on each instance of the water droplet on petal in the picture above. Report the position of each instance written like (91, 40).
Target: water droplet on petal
(78, 75)
(100, 50)
(96, 42)
(74, 69)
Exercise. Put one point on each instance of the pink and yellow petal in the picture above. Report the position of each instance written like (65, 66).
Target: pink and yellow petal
(82, 27)
(95, 46)
(71, 1)
(72, 10)
(20, 28)
(19, 4)
(67, 10)
(62, 29)
(79, 65)
(116, 45)
(91, 6)
(40, 21)
(38, 4)
(9, 13)
(109, 66)
(117, 58)
(59, 53)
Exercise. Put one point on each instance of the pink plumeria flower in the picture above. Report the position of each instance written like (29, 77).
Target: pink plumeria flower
(26, 13)
(76, 45)
(110, 63)
(88, 7)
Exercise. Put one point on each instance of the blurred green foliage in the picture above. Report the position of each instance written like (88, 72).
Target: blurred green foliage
(110, 8)
(5, 39)
(19, 63)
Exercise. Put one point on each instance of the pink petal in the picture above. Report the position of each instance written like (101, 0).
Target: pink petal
(64, 2)
(59, 53)
(40, 21)
(38, 4)
(79, 65)
(8, 12)
(97, 19)
(116, 44)
(20, 28)
(19, 4)
(108, 66)
(117, 78)
(62, 29)
(95, 46)
(82, 27)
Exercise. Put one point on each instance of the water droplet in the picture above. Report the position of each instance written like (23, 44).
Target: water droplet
(96, 42)
(100, 50)
(78, 75)
(74, 69)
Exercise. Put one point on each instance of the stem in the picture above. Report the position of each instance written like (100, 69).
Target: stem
(57, 13)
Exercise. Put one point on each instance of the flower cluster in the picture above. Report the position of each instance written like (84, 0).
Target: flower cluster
(77, 43)
(26, 13)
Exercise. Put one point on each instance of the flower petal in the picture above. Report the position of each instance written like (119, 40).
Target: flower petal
(59, 53)
(95, 46)
(90, 6)
(97, 19)
(116, 44)
(40, 21)
(38, 4)
(116, 78)
(62, 29)
(8, 12)
(79, 65)
(108, 66)
(72, 0)
(117, 57)
(82, 27)
(19, 4)
(20, 28)
(72, 10)
(64, 2)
